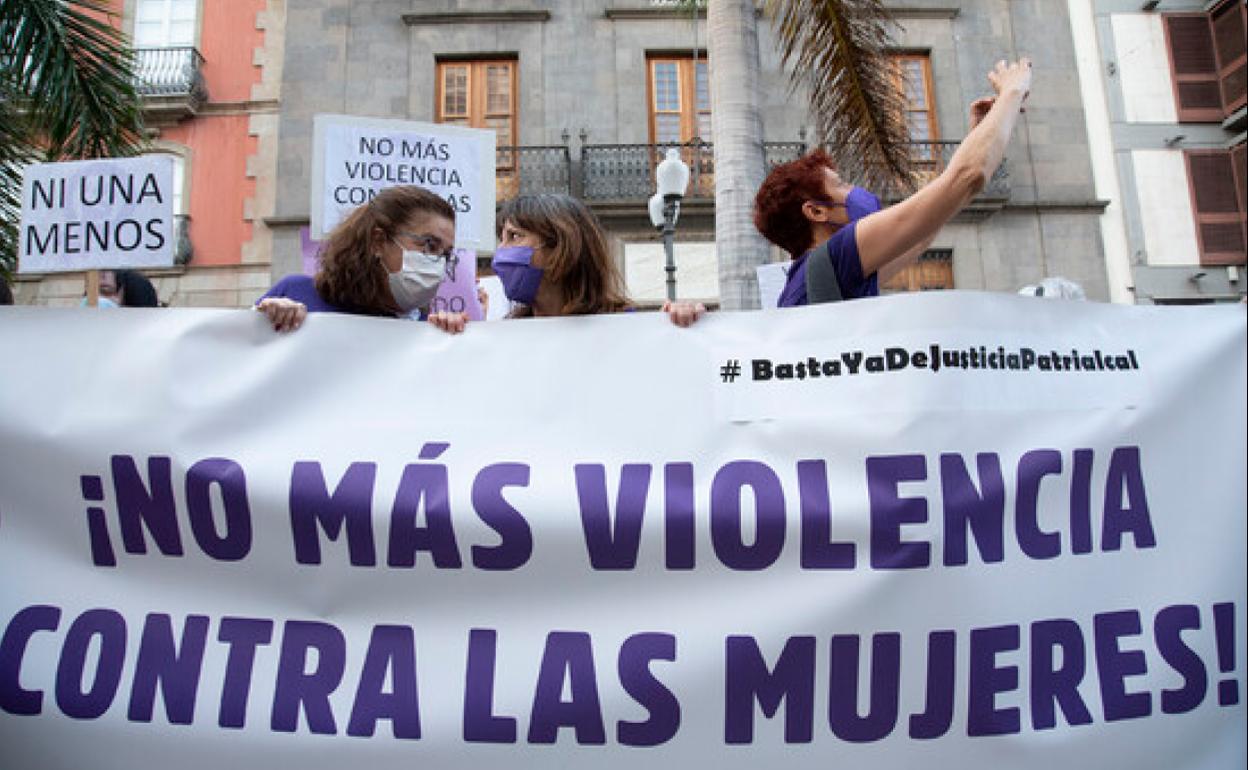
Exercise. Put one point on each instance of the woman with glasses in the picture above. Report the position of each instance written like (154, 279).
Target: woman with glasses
(385, 259)
(553, 260)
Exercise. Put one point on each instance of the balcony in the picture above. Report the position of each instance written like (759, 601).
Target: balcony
(626, 171)
(170, 82)
(621, 172)
(616, 172)
(530, 170)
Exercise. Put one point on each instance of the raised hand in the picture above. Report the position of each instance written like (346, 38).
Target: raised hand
(1011, 76)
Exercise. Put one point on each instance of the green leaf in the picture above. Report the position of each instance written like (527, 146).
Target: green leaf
(67, 91)
(837, 48)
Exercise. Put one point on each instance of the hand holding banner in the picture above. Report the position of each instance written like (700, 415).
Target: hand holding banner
(808, 550)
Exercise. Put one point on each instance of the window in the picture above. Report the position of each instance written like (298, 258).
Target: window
(913, 72)
(164, 23)
(680, 100)
(164, 36)
(679, 94)
(932, 270)
(1217, 182)
(482, 94)
(1207, 61)
(1230, 26)
(181, 213)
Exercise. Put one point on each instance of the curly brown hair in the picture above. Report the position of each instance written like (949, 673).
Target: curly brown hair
(778, 204)
(351, 276)
(577, 258)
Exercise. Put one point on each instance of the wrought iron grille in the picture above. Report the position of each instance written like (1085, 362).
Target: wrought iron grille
(529, 170)
(626, 171)
(173, 71)
(931, 158)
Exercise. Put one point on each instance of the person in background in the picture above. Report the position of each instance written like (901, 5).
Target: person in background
(385, 259)
(552, 259)
(804, 206)
(131, 289)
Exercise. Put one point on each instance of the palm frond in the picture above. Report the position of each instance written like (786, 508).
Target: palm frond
(837, 49)
(16, 150)
(77, 72)
(66, 92)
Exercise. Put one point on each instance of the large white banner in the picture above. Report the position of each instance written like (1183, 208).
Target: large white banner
(354, 158)
(92, 214)
(945, 530)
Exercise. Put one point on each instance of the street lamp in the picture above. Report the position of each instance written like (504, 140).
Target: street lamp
(672, 176)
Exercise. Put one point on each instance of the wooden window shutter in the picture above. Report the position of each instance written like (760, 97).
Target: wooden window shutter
(1239, 165)
(1193, 67)
(1230, 25)
(1218, 205)
(932, 270)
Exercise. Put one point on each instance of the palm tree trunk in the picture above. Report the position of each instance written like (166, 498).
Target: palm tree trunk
(737, 133)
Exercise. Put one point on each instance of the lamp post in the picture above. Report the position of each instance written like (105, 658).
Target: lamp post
(672, 177)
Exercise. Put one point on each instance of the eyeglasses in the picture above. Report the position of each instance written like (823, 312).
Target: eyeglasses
(829, 204)
(431, 247)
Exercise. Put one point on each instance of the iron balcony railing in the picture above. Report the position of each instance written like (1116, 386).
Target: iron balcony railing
(929, 159)
(529, 170)
(626, 171)
(170, 72)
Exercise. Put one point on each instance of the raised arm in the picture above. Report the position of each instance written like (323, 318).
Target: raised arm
(906, 227)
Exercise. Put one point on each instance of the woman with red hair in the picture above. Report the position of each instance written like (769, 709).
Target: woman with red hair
(806, 209)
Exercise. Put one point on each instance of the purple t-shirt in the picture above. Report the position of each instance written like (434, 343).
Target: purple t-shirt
(843, 250)
(302, 288)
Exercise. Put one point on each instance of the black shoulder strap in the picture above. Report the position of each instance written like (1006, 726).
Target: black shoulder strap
(821, 283)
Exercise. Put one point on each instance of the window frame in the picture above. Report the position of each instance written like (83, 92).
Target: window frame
(1219, 218)
(1205, 114)
(687, 66)
(167, 14)
(477, 101)
(928, 159)
(929, 88)
(1225, 69)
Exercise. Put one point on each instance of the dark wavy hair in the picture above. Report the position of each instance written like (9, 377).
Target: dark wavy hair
(351, 276)
(778, 204)
(135, 289)
(577, 259)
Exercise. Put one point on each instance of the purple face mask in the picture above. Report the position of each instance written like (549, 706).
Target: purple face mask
(514, 266)
(860, 202)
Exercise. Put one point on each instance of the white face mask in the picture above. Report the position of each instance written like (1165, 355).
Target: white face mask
(417, 281)
(102, 302)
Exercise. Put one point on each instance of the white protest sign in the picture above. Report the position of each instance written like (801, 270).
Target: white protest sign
(500, 306)
(225, 547)
(771, 280)
(353, 158)
(97, 214)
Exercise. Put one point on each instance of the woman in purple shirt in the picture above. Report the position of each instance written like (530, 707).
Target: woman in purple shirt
(385, 259)
(806, 209)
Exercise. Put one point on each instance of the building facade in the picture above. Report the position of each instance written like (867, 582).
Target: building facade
(585, 95)
(209, 74)
(1164, 90)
